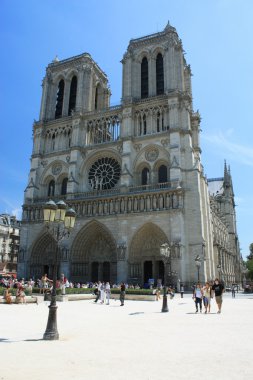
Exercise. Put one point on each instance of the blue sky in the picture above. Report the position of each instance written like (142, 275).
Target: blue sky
(217, 37)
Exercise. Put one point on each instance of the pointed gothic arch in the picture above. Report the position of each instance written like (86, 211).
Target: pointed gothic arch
(43, 256)
(93, 247)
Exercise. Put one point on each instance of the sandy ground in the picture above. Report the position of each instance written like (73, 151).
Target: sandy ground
(135, 341)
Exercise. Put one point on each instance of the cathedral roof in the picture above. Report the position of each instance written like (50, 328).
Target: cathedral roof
(215, 186)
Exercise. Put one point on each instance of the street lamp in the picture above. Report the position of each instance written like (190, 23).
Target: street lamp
(219, 270)
(59, 222)
(198, 264)
(165, 252)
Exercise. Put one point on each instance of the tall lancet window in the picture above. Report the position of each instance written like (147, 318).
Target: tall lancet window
(162, 174)
(145, 176)
(159, 75)
(59, 101)
(144, 78)
(51, 188)
(72, 95)
(64, 186)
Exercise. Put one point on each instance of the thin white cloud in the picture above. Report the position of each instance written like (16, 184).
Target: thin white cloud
(17, 212)
(11, 208)
(232, 150)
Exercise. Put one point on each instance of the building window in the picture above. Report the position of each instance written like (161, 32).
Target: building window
(59, 101)
(145, 176)
(72, 95)
(162, 174)
(159, 75)
(51, 188)
(104, 174)
(96, 98)
(144, 125)
(144, 78)
(158, 122)
(64, 186)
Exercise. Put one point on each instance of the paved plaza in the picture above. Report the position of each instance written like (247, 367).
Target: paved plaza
(136, 341)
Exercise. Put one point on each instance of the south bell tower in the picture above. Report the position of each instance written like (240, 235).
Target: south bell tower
(132, 172)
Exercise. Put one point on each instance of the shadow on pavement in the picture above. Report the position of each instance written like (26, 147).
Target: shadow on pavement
(201, 313)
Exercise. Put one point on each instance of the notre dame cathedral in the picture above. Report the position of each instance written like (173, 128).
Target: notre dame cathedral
(132, 173)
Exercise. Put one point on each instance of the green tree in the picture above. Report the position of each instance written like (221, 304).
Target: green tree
(249, 262)
(250, 257)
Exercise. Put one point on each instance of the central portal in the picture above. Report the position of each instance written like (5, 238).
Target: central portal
(148, 271)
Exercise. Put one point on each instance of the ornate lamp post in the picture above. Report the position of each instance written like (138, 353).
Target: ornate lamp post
(165, 252)
(219, 270)
(198, 264)
(59, 222)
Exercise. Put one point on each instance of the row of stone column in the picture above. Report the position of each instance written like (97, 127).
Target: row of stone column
(121, 205)
(227, 266)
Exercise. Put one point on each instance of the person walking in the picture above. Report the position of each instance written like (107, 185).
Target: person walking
(198, 296)
(97, 291)
(233, 290)
(44, 283)
(102, 293)
(207, 295)
(182, 290)
(107, 293)
(218, 290)
(122, 293)
(158, 293)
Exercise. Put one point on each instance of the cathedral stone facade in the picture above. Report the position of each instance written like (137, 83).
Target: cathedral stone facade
(132, 173)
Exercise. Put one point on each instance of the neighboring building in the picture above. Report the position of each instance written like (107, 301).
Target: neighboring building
(132, 172)
(9, 244)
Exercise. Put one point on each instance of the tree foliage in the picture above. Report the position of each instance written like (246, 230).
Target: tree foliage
(249, 262)
(250, 257)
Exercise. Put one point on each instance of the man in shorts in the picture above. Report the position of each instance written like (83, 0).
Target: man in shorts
(218, 290)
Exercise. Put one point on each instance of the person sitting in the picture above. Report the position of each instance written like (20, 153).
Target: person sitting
(20, 294)
(7, 295)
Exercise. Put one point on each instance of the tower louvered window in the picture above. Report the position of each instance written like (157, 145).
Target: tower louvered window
(59, 101)
(159, 75)
(72, 95)
(144, 78)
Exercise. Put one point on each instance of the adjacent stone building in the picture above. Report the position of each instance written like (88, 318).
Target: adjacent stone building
(9, 244)
(132, 172)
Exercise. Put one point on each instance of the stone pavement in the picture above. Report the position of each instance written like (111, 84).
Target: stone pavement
(136, 341)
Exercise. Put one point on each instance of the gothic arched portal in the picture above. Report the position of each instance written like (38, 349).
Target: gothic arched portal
(93, 254)
(145, 260)
(43, 257)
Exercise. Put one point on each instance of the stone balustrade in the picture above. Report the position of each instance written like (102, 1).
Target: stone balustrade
(156, 200)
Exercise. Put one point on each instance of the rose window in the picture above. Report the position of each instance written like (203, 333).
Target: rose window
(104, 173)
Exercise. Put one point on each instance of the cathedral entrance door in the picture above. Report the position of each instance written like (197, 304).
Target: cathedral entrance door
(160, 270)
(148, 271)
(106, 271)
(94, 271)
(46, 270)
